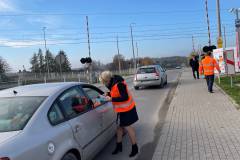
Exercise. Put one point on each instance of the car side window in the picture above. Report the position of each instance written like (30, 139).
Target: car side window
(72, 102)
(55, 115)
(95, 95)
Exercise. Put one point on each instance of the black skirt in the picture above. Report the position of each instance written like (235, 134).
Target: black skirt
(127, 118)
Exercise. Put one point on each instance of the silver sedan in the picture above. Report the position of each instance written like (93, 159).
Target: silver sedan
(55, 121)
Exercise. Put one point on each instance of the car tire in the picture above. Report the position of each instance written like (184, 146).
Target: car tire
(161, 84)
(136, 88)
(69, 156)
(166, 81)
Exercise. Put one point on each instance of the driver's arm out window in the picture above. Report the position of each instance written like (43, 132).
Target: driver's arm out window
(95, 95)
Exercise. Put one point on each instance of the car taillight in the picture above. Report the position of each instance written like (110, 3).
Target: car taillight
(4, 158)
(135, 78)
(157, 74)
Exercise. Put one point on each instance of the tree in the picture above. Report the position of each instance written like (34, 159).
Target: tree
(66, 66)
(35, 64)
(49, 57)
(4, 67)
(41, 61)
(147, 61)
(116, 60)
(114, 66)
(97, 66)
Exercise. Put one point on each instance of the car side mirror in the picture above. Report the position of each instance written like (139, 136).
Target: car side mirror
(79, 103)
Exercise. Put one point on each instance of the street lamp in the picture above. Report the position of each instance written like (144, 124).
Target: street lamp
(45, 44)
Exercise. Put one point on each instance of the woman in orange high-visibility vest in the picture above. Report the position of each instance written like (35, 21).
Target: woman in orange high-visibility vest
(124, 106)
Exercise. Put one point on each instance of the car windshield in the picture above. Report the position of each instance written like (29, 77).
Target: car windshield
(15, 112)
(146, 70)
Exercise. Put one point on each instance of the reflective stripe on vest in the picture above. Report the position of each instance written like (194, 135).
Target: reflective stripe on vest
(122, 106)
(208, 66)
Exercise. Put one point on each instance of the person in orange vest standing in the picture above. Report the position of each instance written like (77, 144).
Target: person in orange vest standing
(124, 106)
(207, 66)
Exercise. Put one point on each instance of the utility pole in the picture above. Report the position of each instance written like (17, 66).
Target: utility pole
(134, 59)
(89, 52)
(193, 45)
(219, 40)
(209, 34)
(137, 55)
(225, 38)
(199, 51)
(119, 63)
(45, 42)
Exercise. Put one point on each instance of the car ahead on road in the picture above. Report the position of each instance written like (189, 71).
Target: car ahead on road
(55, 121)
(178, 67)
(152, 75)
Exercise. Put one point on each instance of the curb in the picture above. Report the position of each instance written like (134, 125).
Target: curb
(230, 98)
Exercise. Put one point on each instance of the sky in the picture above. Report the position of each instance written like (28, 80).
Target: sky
(160, 28)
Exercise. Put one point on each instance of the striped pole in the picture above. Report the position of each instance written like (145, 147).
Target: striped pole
(209, 34)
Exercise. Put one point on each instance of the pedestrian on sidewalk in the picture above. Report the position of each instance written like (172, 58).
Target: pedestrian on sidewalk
(195, 66)
(125, 108)
(207, 66)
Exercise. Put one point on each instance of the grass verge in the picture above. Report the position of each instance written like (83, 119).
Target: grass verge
(233, 92)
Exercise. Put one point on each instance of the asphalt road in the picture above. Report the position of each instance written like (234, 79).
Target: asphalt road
(152, 106)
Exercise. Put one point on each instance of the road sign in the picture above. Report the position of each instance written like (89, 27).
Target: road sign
(220, 42)
(60, 59)
(230, 62)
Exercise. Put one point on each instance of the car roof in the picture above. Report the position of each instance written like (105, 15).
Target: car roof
(149, 66)
(43, 89)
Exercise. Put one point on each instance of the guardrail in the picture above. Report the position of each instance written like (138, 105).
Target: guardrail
(6, 85)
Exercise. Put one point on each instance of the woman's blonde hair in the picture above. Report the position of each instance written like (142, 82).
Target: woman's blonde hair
(105, 77)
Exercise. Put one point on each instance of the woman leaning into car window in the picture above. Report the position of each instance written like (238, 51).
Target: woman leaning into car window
(124, 106)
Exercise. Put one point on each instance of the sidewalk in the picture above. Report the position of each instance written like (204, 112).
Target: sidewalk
(199, 125)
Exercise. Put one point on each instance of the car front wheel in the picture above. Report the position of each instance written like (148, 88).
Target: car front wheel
(69, 156)
(161, 84)
(136, 88)
(166, 81)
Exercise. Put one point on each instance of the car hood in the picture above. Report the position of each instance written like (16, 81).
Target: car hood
(4, 136)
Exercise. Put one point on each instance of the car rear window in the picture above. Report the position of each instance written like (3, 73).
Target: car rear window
(146, 70)
(15, 112)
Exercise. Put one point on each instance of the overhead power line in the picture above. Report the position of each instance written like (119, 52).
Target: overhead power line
(199, 25)
(111, 41)
(72, 36)
(182, 29)
(103, 39)
(105, 13)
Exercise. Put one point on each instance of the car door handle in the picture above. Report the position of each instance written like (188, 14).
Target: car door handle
(77, 128)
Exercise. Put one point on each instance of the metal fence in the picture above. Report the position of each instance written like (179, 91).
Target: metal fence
(25, 78)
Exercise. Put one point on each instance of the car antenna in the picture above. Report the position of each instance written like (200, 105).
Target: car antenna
(15, 92)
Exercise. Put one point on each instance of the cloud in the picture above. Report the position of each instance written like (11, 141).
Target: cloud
(26, 43)
(6, 6)
(19, 44)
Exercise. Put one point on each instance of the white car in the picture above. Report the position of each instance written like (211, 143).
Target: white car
(55, 121)
(152, 75)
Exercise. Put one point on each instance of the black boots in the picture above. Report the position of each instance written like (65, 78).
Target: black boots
(117, 149)
(134, 150)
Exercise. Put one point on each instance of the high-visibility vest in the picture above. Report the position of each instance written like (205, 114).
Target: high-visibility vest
(122, 106)
(207, 66)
